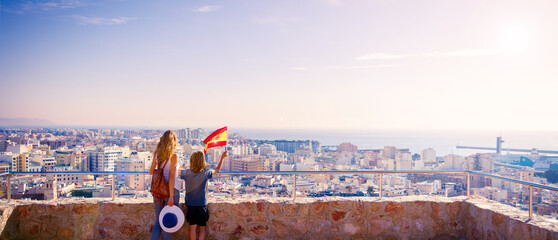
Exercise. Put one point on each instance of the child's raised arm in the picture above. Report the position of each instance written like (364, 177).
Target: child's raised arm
(225, 154)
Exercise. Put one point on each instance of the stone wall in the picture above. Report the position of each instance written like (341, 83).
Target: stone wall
(330, 218)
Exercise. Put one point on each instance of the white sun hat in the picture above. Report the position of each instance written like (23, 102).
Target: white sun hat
(171, 219)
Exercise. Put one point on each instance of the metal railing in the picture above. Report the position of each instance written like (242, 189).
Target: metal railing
(295, 173)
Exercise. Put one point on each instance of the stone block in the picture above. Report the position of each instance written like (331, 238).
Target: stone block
(260, 219)
(403, 226)
(243, 209)
(338, 215)
(261, 205)
(275, 209)
(237, 232)
(217, 226)
(497, 219)
(358, 212)
(259, 229)
(290, 209)
(319, 206)
(279, 227)
(351, 229)
(377, 227)
(65, 233)
(393, 207)
(303, 210)
(375, 209)
(298, 226)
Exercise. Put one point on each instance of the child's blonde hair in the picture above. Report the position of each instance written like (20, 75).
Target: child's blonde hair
(197, 162)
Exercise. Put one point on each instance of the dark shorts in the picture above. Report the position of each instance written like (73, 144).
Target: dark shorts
(197, 215)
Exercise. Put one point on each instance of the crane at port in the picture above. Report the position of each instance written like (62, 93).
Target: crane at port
(499, 148)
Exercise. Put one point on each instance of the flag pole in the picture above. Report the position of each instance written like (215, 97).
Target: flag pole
(227, 141)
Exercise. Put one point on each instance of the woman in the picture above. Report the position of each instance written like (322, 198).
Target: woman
(164, 156)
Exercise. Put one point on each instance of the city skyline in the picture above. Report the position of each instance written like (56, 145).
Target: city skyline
(282, 65)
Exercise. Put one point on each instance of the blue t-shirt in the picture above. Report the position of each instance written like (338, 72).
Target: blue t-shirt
(196, 186)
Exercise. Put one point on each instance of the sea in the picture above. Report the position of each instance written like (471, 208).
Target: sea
(442, 141)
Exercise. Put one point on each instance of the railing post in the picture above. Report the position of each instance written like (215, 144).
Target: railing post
(530, 202)
(381, 184)
(468, 184)
(55, 186)
(9, 187)
(112, 187)
(294, 187)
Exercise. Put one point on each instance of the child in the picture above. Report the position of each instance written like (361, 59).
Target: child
(196, 178)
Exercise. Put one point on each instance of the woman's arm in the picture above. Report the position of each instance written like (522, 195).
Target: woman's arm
(225, 154)
(153, 164)
(172, 173)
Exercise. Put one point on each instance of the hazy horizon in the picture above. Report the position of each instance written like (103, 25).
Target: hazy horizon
(442, 141)
(9, 123)
(312, 64)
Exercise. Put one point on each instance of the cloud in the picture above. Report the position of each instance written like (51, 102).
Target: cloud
(83, 20)
(459, 53)
(385, 56)
(36, 7)
(364, 66)
(330, 2)
(275, 21)
(208, 8)
(281, 24)
(299, 68)
(473, 52)
(63, 4)
(349, 67)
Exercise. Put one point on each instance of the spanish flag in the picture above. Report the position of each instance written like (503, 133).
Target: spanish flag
(217, 138)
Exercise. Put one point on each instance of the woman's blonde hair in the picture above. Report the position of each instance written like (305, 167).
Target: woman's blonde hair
(166, 146)
(197, 162)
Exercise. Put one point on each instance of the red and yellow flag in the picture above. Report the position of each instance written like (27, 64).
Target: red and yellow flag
(217, 138)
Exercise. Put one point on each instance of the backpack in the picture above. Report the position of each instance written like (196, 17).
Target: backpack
(159, 186)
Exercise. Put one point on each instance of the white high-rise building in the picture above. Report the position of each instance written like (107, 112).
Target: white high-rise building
(453, 162)
(267, 149)
(390, 164)
(133, 164)
(20, 162)
(479, 162)
(428, 155)
(286, 167)
(306, 167)
(18, 149)
(145, 157)
(7, 157)
(67, 179)
(437, 185)
(105, 160)
(419, 165)
(403, 161)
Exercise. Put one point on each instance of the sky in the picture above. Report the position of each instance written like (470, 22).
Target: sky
(304, 64)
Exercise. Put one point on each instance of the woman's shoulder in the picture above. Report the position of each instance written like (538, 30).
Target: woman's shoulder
(174, 158)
